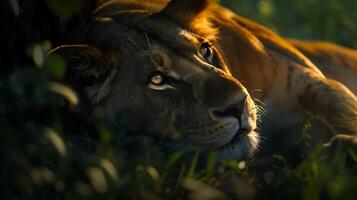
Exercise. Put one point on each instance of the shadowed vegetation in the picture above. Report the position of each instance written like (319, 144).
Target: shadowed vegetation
(333, 21)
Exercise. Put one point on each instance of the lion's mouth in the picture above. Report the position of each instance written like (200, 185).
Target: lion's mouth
(232, 136)
(246, 120)
(242, 146)
(236, 138)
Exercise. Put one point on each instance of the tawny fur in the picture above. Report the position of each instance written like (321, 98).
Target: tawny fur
(290, 84)
(336, 62)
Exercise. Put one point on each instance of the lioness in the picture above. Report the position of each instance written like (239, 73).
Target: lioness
(196, 68)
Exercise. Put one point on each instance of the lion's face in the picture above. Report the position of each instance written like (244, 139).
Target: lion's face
(163, 79)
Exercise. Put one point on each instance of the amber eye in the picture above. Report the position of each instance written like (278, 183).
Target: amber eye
(207, 53)
(157, 79)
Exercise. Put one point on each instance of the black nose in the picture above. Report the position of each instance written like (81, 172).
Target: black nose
(231, 110)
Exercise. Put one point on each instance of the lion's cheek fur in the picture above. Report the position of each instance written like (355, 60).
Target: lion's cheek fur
(140, 112)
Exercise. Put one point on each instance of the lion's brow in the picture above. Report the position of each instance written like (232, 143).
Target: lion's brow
(166, 32)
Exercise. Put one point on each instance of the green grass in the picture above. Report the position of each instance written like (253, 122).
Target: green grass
(45, 157)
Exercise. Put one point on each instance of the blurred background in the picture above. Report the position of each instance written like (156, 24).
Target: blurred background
(331, 20)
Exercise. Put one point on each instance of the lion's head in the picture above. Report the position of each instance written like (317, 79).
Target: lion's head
(164, 75)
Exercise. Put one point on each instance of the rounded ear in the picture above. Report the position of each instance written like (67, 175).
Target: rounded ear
(82, 60)
(88, 71)
(184, 11)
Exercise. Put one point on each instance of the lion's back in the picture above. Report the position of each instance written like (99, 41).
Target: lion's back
(336, 62)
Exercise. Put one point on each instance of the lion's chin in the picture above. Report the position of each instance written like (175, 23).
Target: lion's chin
(240, 148)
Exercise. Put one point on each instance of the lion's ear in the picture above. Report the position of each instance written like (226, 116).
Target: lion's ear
(184, 11)
(88, 71)
(81, 59)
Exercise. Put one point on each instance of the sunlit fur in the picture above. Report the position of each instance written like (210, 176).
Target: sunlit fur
(288, 83)
(336, 62)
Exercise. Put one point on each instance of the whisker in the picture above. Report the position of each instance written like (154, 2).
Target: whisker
(256, 90)
(259, 101)
(133, 42)
(148, 41)
(139, 47)
(261, 112)
(260, 109)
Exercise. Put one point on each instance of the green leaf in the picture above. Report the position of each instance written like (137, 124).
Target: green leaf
(64, 9)
(57, 66)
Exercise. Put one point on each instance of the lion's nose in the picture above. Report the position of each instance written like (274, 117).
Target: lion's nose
(224, 96)
(232, 108)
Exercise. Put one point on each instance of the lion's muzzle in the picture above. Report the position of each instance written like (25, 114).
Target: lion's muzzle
(236, 120)
(230, 123)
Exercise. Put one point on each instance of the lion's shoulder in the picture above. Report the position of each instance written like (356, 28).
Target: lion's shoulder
(269, 40)
(321, 51)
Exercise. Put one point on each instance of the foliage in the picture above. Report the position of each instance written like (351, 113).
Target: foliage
(331, 20)
(49, 152)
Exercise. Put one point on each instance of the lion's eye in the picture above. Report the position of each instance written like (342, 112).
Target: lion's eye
(207, 52)
(157, 81)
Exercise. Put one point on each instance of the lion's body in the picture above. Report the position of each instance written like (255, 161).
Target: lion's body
(336, 62)
(251, 59)
(280, 76)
